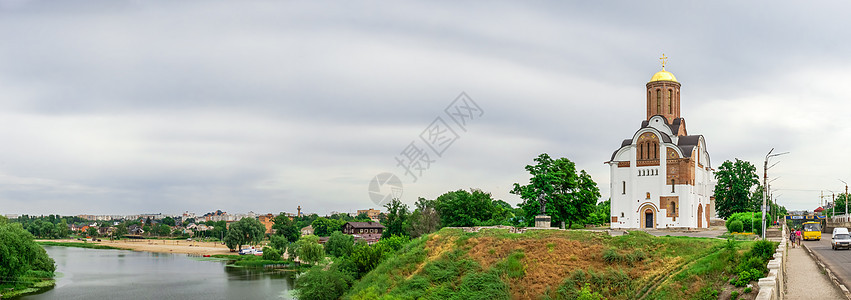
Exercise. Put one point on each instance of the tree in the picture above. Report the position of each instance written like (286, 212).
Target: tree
(163, 230)
(733, 190)
(62, 230)
(19, 253)
(120, 230)
(464, 209)
(397, 215)
(325, 226)
(270, 253)
(366, 257)
(424, 219)
(309, 250)
(602, 213)
(278, 242)
(285, 227)
(570, 196)
(339, 244)
(322, 285)
(243, 232)
(188, 221)
(169, 221)
(92, 232)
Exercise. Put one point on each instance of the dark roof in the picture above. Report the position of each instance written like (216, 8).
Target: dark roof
(675, 126)
(687, 144)
(365, 224)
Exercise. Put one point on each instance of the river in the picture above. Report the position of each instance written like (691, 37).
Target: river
(121, 274)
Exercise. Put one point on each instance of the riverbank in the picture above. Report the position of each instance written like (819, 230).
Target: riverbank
(31, 283)
(159, 246)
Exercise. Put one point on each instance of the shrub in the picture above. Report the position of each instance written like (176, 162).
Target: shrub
(611, 256)
(319, 284)
(747, 290)
(763, 249)
(734, 295)
(270, 253)
(736, 226)
(340, 244)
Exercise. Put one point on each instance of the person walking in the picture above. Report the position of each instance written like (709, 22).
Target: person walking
(798, 236)
(792, 236)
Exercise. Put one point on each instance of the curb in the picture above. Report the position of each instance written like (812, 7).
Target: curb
(830, 274)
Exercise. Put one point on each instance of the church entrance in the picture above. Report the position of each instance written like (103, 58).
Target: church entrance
(699, 216)
(648, 218)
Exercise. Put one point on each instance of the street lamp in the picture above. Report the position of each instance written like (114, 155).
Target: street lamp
(846, 198)
(765, 185)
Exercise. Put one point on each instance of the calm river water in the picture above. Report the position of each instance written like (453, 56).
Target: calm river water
(118, 274)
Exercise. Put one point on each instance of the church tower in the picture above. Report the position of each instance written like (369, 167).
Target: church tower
(662, 176)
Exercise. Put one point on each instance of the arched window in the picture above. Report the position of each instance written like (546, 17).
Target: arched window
(624, 188)
(658, 102)
(670, 101)
(672, 185)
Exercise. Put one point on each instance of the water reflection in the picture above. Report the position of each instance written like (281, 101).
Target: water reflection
(99, 274)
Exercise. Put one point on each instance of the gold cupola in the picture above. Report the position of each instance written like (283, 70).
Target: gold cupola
(663, 94)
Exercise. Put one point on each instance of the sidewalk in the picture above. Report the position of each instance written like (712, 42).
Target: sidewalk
(804, 280)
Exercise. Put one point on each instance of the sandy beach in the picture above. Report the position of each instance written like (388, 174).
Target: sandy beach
(165, 246)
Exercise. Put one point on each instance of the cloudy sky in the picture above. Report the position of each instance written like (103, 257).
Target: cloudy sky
(120, 107)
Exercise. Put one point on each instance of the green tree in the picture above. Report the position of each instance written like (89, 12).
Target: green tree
(320, 284)
(736, 180)
(168, 221)
(396, 218)
(285, 227)
(424, 219)
(270, 253)
(325, 226)
(309, 250)
(339, 244)
(163, 230)
(365, 257)
(464, 209)
(570, 196)
(120, 230)
(62, 230)
(92, 231)
(19, 253)
(188, 221)
(278, 242)
(243, 232)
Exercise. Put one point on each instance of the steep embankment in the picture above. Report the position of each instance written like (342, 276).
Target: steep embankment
(495, 264)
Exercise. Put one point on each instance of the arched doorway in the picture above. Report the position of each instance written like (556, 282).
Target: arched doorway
(699, 216)
(648, 218)
(706, 212)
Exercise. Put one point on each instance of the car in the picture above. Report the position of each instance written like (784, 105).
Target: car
(840, 239)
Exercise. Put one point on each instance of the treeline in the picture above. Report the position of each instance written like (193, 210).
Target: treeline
(20, 256)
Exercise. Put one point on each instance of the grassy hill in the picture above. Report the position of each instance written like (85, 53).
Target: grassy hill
(549, 264)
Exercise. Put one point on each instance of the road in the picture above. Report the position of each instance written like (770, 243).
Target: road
(838, 261)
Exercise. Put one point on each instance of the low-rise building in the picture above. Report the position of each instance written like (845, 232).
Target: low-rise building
(373, 214)
(267, 220)
(307, 230)
(363, 228)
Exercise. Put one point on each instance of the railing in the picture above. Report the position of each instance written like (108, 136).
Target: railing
(841, 218)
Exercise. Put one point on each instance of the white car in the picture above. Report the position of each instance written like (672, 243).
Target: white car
(841, 240)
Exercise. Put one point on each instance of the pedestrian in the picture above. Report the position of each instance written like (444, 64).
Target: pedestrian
(792, 236)
(798, 236)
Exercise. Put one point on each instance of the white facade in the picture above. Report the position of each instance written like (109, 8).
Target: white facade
(662, 177)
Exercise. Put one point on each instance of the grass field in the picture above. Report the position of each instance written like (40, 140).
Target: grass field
(551, 264)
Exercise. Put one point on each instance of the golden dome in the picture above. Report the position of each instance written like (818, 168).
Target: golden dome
(663, 76)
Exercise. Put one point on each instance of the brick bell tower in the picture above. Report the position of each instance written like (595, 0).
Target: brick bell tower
(663, 95)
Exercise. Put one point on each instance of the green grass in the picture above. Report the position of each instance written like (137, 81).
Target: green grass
(79, 245)
(29, 283)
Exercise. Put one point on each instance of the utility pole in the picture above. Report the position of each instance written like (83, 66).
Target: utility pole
(765, 186)
(846, 198)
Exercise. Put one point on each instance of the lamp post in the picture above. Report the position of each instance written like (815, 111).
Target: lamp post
(765, 185)
(846, 198)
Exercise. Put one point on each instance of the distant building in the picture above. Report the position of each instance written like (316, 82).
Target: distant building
(363, 228)
(267, 220)
(135, 230)
(371, 213)
(11, 216)
(307, 230)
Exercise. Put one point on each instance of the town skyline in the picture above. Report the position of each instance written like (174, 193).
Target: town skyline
(137, 106)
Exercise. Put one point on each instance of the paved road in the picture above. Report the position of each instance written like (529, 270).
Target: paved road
(804, 280)
(839, 261)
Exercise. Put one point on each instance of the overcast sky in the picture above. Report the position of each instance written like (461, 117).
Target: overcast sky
(121, 107)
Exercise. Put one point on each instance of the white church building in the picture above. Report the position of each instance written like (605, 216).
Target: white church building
(662, 177)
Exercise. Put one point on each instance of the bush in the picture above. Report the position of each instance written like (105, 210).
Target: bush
(278, 242)
(736, 226)
(763, 250)
(340, 244)
(751, 221)
(321, 285)
(270, 253)
(734, 295)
